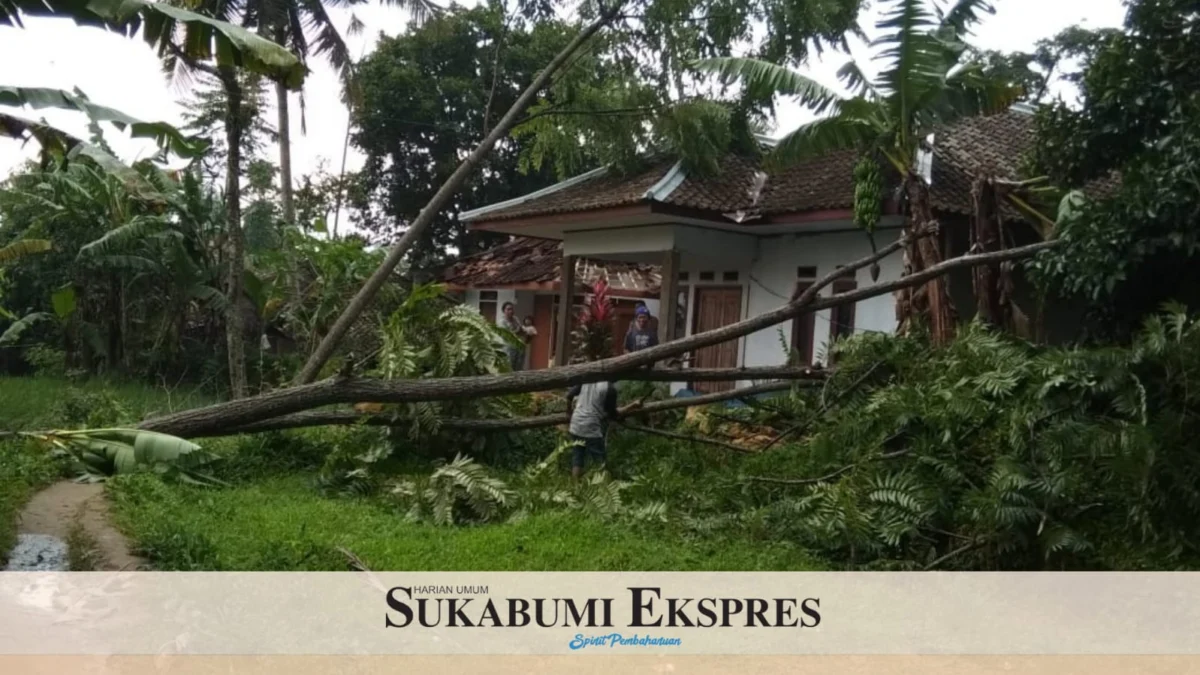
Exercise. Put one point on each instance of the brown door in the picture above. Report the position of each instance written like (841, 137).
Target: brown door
(716, 307)
(543, 321)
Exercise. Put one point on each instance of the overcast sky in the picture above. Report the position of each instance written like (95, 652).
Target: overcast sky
(125, 74)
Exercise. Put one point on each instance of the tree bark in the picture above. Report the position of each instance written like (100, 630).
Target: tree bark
(233, 414)
(325, 418)
(985, 237)
(932, 301)
(367, 293)
(285, 151)
(234, 330)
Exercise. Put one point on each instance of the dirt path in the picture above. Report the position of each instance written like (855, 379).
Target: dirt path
(67, 509)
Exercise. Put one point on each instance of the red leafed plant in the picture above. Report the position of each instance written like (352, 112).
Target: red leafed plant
(594, 333)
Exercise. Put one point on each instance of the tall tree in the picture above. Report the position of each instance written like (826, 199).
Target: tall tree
(657, 41)
(924, 83)
(424, 101)
(1133, 144)
(305, 27)
(178, 61)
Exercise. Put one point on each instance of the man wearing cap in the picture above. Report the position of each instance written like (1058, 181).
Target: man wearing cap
(640, 335)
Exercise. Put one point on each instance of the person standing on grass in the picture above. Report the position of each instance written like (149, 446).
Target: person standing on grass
(640, 335)
(508, 320)
(591, 406)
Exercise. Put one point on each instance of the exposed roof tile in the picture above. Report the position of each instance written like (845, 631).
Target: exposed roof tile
(525, 260)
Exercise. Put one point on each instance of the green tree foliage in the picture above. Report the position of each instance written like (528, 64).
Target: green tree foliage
(1131, 247)
(992, 454)
(424, 99)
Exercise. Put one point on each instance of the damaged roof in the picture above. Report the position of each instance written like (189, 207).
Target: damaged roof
(526, 262)
(743, 191)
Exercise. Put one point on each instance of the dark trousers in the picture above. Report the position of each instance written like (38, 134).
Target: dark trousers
(588, 449)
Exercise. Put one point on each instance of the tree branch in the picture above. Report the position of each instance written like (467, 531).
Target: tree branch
(326, 418)
(826, 477)
(233, 414)
(825, 408)
(423, 220)
(685, 437)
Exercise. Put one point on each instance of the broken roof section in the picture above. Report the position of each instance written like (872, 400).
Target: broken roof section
(535, 264)
(744, 193)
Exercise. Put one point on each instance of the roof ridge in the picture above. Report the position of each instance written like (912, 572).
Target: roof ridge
(561, 185)
(670, 180)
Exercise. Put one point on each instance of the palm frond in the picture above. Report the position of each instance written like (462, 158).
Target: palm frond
(762, 79)
(830, 134)
(135, 230)
(19, 249)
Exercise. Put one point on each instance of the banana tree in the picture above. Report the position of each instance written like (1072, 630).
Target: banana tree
(100, 453)
(923, 82)
(168, 30)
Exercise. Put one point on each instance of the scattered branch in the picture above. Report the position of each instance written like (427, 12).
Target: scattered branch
(802, 426)
(826, 477)
(685, 437)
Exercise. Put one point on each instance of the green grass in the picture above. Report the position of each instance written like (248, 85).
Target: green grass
(283, 524)
(38, 402)
(273, 517)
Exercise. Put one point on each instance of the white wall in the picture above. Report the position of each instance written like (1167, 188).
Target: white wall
(774, 275)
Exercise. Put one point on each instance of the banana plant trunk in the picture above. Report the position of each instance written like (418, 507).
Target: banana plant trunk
(991, 283)
(930, 302)
(234, 330)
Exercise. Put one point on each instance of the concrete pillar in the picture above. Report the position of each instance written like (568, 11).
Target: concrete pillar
(669, 299)
(566, 312)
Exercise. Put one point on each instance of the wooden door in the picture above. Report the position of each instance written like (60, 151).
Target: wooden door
(716, 307)
(543, 321)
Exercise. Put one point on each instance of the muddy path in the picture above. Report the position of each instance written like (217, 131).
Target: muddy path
(78, 513)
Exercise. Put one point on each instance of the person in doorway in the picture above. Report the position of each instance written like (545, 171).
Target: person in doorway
(641, 335)
(591, 407)
(508, 320)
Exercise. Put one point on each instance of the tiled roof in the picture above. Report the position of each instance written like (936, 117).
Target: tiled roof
(525, 260)
(993, 144)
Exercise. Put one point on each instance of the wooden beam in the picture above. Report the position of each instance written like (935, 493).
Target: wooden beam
(566, 307)
(668, 297)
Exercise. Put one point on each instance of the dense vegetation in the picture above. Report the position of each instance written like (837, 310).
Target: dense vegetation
(132, 291)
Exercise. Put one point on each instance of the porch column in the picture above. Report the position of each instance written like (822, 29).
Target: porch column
(669, 296)
(566, 297)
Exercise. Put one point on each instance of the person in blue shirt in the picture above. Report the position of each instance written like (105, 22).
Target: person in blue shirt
(640, 335)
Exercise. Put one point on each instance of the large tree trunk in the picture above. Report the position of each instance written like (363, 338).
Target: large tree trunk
(366, 294)
(234, 333)
(930, 302)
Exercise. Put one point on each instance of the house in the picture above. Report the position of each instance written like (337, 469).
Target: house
(726, 247)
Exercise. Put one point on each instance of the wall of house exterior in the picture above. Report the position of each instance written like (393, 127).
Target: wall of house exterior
(767, 276)
(773, 276)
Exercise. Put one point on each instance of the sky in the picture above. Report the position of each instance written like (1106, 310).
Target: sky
(124, 73)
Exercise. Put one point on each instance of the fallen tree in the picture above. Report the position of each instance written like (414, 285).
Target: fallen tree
(229, 416)
(349, 417)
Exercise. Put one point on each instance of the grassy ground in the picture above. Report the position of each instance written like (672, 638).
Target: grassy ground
(274, 518)
(281, 524)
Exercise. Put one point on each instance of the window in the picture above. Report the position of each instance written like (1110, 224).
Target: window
(683, 276)
(842, 316)
(681, 312)
(707, 276)
(487, 305)
(804, 326)
(729, 276)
